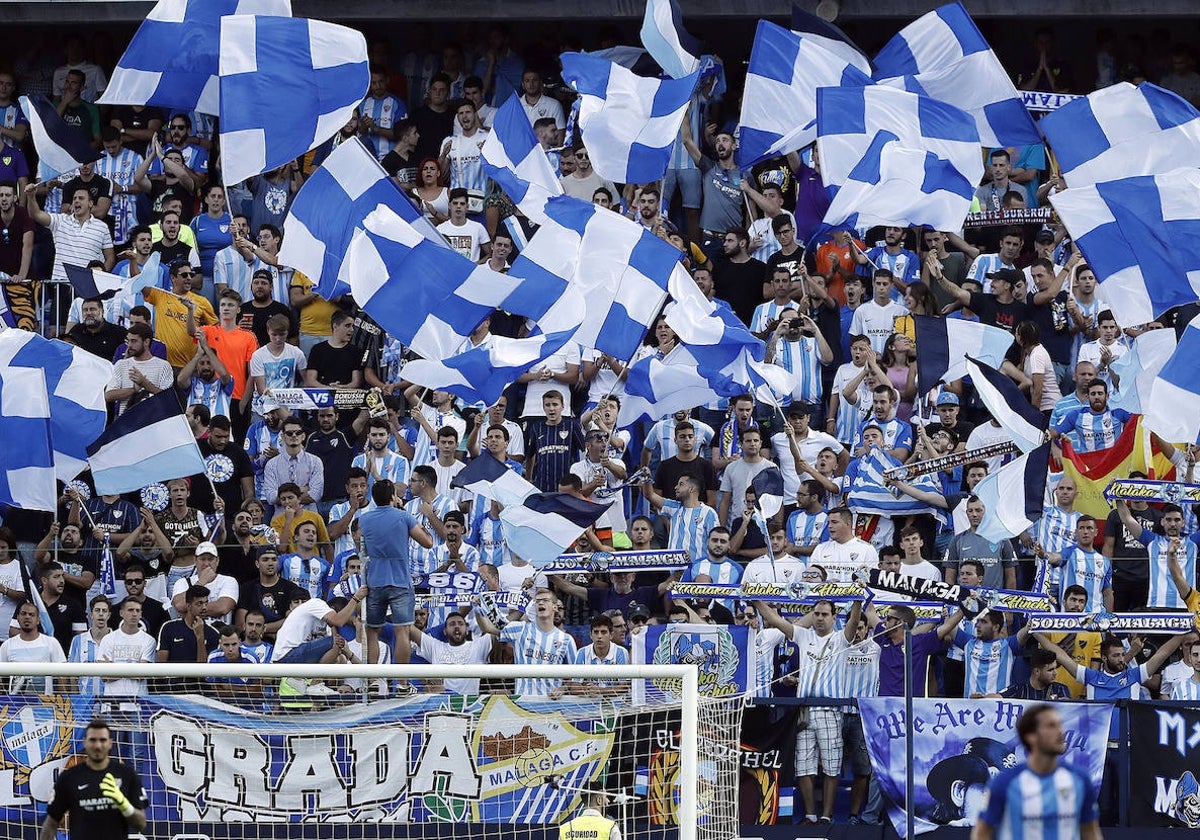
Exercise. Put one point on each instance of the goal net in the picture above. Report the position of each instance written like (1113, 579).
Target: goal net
(264, 754)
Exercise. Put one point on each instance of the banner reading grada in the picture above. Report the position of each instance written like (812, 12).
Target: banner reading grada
(724, 656)
(1165, 768)
(959, 746)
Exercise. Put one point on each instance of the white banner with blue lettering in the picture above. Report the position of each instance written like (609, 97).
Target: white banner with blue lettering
(959, 746)
(426, 759)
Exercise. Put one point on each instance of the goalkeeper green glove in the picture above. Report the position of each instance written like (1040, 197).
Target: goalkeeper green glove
(110, 788)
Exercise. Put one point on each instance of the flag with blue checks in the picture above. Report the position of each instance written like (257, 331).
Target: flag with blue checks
(287, 85)
(26, 456)
(1141, 235)
(944, 55)
(172, 59)
(629, 122)
(513, 158)
(714, 333)
(431, 299)
(329, 209)
(75, 381)
(668, 43)
(830, 37)
(899, 157)
(779, 105)
(1120, 132)
(1173, 410)
(619, 268)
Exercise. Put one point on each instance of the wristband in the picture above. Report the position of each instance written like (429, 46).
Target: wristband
(127, 809)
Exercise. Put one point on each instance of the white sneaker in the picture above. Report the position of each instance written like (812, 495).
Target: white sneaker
(320, 690)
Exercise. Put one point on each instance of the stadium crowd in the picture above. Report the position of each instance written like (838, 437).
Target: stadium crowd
(261, 558)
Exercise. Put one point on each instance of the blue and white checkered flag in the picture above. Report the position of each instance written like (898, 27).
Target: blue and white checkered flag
(1122, 131)
(628, 122)
(432, 298)
(1173, 409)
(172, 59)
(329, 209)
(287, 85)
(513, 158)
(1141, 236)
(946, 55)
(26, 454)
(901, 158)
(779, 106)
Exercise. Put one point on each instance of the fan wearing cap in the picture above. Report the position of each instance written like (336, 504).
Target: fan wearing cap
(1000, 308)
(948, 407)
(222, 589)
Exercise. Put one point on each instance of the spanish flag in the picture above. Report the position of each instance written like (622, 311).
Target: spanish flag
(1092, 471)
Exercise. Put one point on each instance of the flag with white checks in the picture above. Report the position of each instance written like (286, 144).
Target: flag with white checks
(329, 209)
(172, 59)
(513, 158)
(1122, 131)
(830, 37)
(1173, 410)
(779, 105)
(629, 122)
(432, 298)
(26, 456)
(619, 268)
(1141, 236)
(668, 43)
(899, 158)
(946, 55)
(287, 85)
(74, 381)
(714, 333)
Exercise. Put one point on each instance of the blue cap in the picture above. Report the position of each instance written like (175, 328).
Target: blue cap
(947, 398)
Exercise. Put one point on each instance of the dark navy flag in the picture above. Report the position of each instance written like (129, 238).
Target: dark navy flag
(60, 147)
(149, 442)
(768, 488)
(945, 343)
(1015, 414)
(1014, 496)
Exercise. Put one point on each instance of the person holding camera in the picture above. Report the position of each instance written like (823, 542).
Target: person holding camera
(797, 346)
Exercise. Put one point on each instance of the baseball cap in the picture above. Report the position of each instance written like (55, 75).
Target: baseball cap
(637, 610)
(1008, 275)
(206, 548)
(1044, 236)
(947, 398)
(799, 409)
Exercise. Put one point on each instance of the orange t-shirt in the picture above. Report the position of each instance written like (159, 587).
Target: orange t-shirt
(234, 348)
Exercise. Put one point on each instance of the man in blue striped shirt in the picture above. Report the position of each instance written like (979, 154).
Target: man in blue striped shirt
(1042, 800)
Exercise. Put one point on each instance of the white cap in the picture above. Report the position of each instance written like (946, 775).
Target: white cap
(206, 548)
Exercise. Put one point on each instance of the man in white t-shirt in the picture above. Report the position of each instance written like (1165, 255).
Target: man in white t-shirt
(222, 589)
(843, 553)
(876, 318)
(128, 643)
(456, 650)
(809, 443)
(31, 645)
(305, 637)
(467, 237)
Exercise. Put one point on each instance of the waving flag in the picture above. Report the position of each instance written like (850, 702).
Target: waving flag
(150, 442)
(432, 298)
(74, 380)
(830, 37)
(60, 147)
(329, 209)
(657, 387)
(287, 85)
(1015, 414)
(1122, 131)
(513, 158)
(537, 526)
(713, 333)
(628, 122)
(779, 106)
(620, 269)
(1138, 369)
(768, 488)
(869, 493)
(947, 56)
(667, 41)
(26, 456)
(1014, 496)
(98, 283)
(945, 344)
(1141, 236)
(1173, 410)
(869, 136)
(172, 59)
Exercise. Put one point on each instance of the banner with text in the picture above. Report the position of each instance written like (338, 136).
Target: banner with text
(768, 751)
(1164, 769)
(960, 745)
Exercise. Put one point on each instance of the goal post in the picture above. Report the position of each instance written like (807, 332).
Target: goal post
(267, 761)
